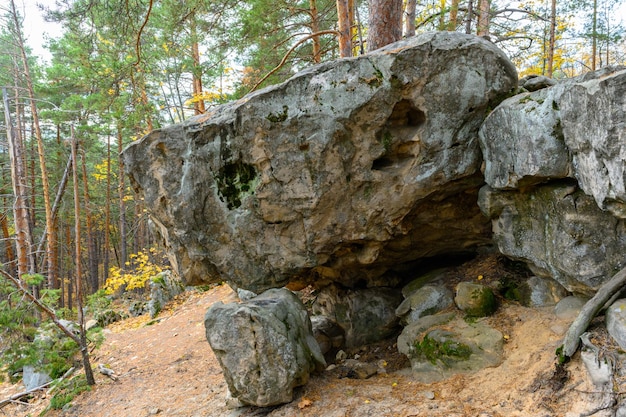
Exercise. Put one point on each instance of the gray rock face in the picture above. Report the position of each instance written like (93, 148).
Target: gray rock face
(342, 173)
(533, 144)
(264, 345)
(476, 300)
(365, 315)
(560, 232)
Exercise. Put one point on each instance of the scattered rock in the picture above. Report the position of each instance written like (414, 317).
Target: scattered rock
(109, 316)
(476, 300)
(355, 369)
(265, 346)
(33, 378)
(91, 324)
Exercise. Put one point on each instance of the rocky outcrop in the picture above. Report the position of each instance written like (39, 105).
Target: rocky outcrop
(264, 345)
(554, 165)
(344, 173)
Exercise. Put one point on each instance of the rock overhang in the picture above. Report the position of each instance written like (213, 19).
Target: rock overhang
(342, 173)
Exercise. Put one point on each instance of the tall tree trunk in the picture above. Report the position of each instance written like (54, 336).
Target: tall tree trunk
(79, 285)
(20, 206)
(442, 15)
(107, 214)
(315, 27)
(470, 16)
(8, 247)
(50, 224)
(91, 243)
(594, 35)
(454, 13)
(409, 23)
(344, 24)
(552, 43)
(484, 17)
(385, 23)
(198, 105)
(123, 254)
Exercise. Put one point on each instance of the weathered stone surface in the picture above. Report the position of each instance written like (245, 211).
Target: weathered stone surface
(365, 315)
(569, 307)
(560, 232)
(532, 143)
(429, 299)
(342, 173)
(616, 322)
(536, 82)
(264, 346)
(593, 115)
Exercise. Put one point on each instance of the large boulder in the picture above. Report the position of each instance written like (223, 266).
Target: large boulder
(345, 172)
(554, 168)
(265, 346)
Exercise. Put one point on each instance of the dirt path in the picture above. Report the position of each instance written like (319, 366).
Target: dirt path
(168, 369)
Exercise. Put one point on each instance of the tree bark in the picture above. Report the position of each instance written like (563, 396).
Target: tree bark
(198, 105)
(594, 35)
(552, 43)
(484, 17)
(23, 241)
(454, 12)
(78, 267)
(92, 277)
(385, 23)
(409, 23)
(50, 224)
(123, 256)
(344, 24)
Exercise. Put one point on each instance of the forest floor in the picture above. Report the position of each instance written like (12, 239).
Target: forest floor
(165, 367)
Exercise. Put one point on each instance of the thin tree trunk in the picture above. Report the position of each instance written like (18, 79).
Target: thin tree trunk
(91, 244)
(107, 214)
(552, 44)
(344, 24)
(122, 202)
(470, 16)
(409, 23)
(315, 27)
(79, 287)
(385, 23)
(20, 211)
(594, 35)
(51, 227)
(198, 104)
(8, 247)
(442, 15)
(454, 12)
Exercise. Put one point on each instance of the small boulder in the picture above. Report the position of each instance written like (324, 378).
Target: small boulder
(616, 322)
(163, 287)
(265, 346)
(542, 292)
(429, 299)
(569, 307)
(476, 300)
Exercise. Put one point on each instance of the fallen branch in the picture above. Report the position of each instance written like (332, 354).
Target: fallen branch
(588, 312)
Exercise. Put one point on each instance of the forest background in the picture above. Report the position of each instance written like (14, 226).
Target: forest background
(70, 225)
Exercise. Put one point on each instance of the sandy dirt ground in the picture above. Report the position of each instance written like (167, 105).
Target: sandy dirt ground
(167, 369)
